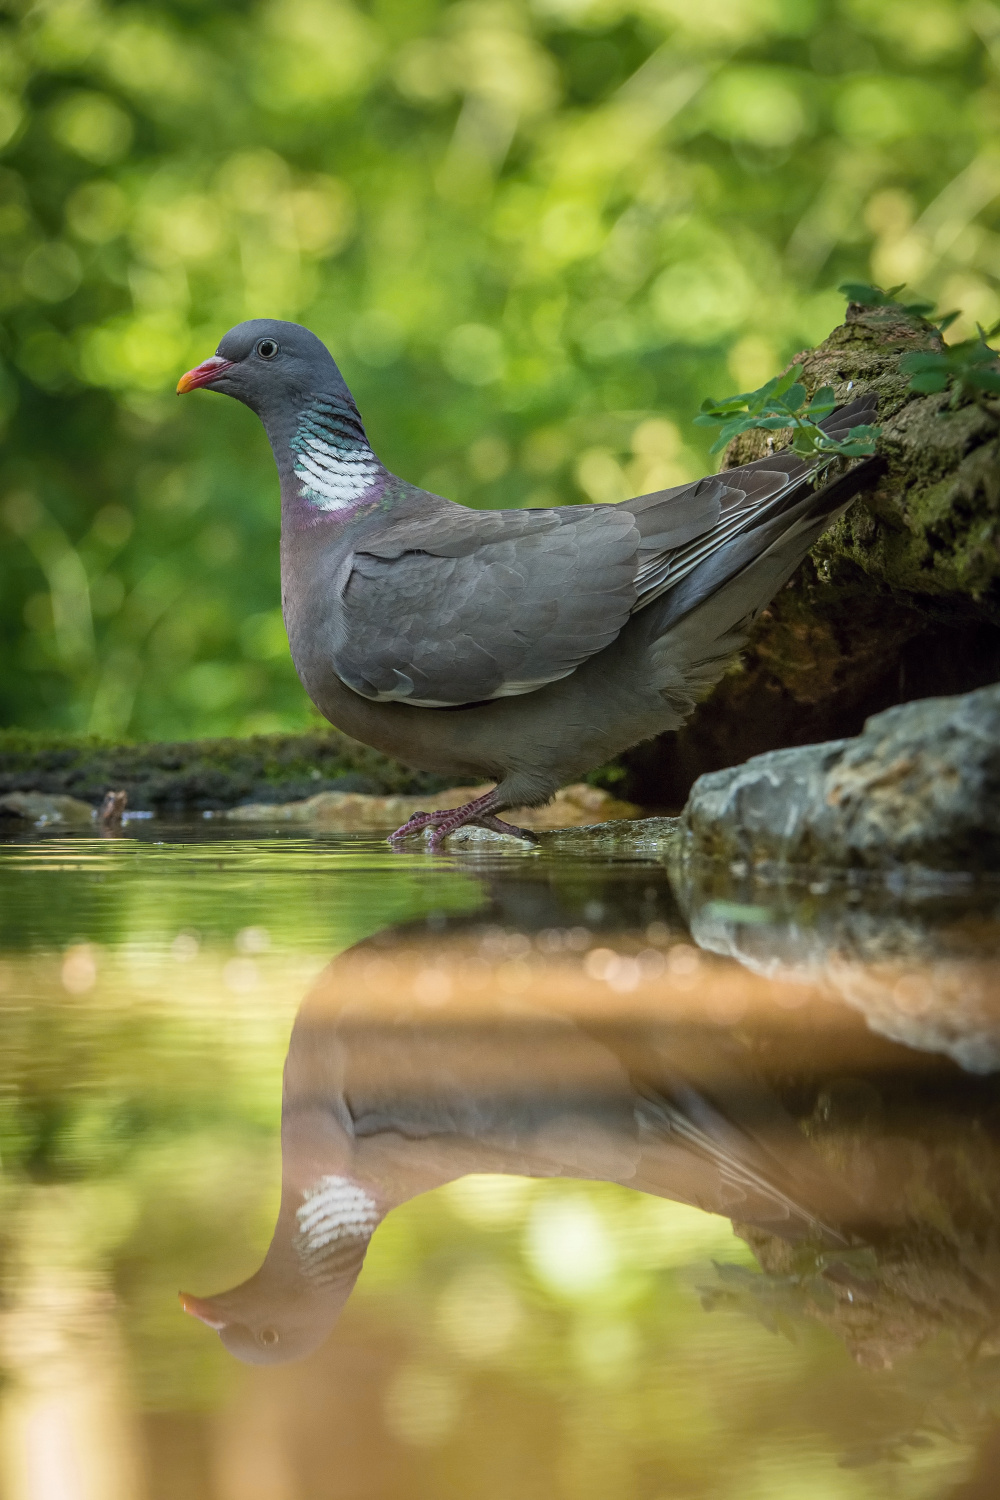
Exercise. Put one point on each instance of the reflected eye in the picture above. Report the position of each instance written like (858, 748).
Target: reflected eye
(267, 349)
(267, 1336)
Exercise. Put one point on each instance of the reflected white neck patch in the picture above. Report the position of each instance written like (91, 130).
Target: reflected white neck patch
(336, 1218)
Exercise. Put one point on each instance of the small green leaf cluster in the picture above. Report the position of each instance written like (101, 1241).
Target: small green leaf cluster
(876, 296)
(867, 295)
(971, 370)
(782, 403)
(775, 1300)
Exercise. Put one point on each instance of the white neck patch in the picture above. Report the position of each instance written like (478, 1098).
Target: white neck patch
(332, 477)
(335, 1217)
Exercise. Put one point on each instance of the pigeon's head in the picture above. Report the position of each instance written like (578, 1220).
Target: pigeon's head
(268, 364)
(287, 1308)
(260, 1326)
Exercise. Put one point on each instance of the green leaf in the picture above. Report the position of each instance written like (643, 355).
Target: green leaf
(874, 296)
(776, 423)
(728, 404)
(910, 364)
(823, 402)
(930, 380)
(859, 443)
(804, 441)
(783, 383)
(863, 293)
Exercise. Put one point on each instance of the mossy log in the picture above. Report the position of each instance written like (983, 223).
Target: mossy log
(899, 600)
(202, 774)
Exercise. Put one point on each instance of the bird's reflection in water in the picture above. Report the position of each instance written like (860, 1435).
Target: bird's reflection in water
(864, 1173)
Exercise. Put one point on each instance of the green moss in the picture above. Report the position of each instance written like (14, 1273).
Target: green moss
(930, 527)
(201, 774)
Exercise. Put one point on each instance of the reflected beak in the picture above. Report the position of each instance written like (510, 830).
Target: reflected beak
(200, 1307)
(203, 374)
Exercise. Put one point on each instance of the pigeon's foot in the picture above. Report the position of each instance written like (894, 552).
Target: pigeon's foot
(480, 813)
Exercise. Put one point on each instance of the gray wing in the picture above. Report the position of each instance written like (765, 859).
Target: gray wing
(459, 606)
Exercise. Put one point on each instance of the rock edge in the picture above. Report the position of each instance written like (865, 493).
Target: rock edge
(918, 788)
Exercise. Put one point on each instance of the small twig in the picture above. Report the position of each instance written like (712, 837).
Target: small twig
(112, 809)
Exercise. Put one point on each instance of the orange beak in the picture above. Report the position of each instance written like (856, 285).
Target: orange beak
(202, 1309)
(203, 374)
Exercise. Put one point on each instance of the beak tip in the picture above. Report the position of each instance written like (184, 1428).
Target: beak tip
(202, 374)
(197, 1307)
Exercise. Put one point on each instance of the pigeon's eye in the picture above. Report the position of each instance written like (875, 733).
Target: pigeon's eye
(267, 349)
(268, 1336)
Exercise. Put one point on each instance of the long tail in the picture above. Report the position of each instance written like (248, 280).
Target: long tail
(754, 1184)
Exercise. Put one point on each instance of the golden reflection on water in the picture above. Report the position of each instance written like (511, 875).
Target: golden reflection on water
(496, 1056)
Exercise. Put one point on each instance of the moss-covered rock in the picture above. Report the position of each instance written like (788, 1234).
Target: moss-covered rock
(201, 774)
(899, 600)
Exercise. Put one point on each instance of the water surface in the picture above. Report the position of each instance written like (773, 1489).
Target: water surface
(547, 1087)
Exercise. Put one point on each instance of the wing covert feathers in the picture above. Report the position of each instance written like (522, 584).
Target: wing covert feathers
(492, 604)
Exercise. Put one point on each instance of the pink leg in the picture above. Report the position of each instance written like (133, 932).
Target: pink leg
(480, 813)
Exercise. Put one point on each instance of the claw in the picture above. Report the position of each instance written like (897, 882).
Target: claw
(478, 813)
(413, 824)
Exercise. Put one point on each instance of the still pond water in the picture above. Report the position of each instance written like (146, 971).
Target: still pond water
(560, 1082)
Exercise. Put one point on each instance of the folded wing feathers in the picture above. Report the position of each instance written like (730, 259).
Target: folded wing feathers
(746, 511)
(569, 591)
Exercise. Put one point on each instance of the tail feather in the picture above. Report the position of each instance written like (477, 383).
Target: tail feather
(695, 538)
(770, 1192)
(696, 629)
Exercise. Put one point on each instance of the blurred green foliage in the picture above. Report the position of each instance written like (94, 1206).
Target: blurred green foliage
(535, 233)
(781, 403)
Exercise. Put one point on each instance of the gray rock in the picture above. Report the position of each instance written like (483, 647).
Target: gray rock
(654, 838)
(920, 787)
(470, 834)
(920, 971)
(41, 809)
